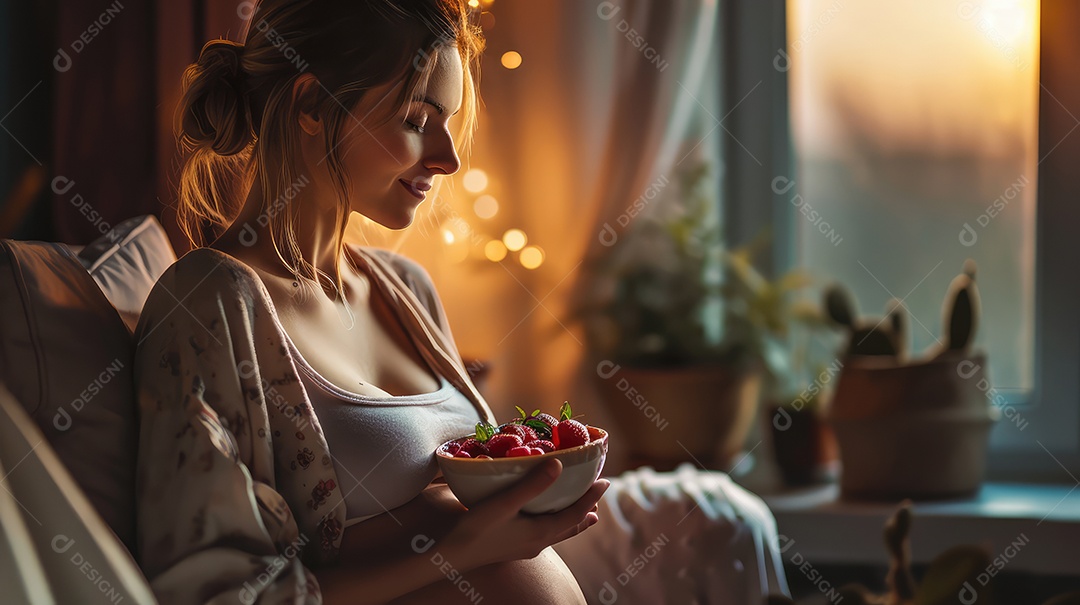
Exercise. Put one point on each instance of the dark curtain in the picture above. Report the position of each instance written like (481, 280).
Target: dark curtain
(91, 144)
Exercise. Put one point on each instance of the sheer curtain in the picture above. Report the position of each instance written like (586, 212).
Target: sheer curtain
(604, 103)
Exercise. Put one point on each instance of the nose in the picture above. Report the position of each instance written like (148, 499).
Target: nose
(443, 157)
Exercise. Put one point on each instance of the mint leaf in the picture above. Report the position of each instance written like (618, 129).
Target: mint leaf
(484, 431)
(564, 411)
(539, 426)
(520, 411)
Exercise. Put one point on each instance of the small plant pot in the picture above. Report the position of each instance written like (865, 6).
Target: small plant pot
(804, 446)
(916, 431)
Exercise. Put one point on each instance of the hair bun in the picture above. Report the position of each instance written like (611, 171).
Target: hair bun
(214, 108)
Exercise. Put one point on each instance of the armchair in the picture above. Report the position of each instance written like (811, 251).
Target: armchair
(68, 435)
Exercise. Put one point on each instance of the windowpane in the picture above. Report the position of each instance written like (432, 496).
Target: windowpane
(915, 126)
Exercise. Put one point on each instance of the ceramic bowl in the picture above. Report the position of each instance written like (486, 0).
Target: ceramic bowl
(472, 480)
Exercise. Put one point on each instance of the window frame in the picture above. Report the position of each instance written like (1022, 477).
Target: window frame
(758, 148)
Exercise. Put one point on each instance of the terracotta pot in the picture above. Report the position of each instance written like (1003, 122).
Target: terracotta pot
(804, 445)
(917, 430)
(667, 416)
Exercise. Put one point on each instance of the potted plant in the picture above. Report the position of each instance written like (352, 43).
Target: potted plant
(684, 332)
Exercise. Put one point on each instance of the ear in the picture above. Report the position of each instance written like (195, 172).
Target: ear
(839, 305)
(305, 95)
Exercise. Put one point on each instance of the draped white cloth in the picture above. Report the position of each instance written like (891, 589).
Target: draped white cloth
(679, 538)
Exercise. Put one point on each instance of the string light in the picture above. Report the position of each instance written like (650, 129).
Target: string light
(531, 257)
(514, 239)
(475, 180)
(486, 206)
(495, 251)
(511, 59)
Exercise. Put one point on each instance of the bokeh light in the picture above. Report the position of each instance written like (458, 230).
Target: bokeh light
(531, 257)
(511, 59)
(475, 180)
(514, 239)
(495, 251)
(486, 206)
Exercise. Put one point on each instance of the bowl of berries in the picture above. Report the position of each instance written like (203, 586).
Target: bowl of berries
(493, 458)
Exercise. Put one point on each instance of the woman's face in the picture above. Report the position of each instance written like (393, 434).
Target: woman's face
(391, 166)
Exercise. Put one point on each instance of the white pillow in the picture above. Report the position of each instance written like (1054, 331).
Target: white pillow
(127, 262)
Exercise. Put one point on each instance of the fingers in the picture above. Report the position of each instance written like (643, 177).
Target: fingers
(510, 501)
(589, 520)
(587, 503)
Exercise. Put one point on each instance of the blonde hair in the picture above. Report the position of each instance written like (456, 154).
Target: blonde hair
(238, 117)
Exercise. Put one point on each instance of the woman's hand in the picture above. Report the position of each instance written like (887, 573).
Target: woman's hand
(496, 530)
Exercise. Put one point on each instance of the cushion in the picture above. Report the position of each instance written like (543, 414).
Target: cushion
(127, 261)
(66, 356)
(48, 530)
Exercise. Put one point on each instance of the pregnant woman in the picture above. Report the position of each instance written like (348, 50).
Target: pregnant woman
(292, 387)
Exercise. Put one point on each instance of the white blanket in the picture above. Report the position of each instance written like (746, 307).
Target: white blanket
(689, 536)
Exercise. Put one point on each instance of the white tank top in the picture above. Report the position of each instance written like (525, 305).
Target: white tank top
(382, 447)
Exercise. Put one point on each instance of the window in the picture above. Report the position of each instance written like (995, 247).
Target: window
(924, 133)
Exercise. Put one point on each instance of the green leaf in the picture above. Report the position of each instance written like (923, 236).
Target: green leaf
(539, 426)
(564, 411)
(536, 412)
(485, 431)
(520, 411)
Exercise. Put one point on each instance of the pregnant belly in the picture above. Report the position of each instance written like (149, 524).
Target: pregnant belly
(543, 580)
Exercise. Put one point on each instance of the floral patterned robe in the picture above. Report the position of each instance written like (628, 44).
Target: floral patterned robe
(236, 491)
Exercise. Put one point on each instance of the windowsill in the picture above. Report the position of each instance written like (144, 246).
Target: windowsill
(1044, 518)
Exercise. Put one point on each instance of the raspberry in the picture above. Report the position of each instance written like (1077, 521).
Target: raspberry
(484, 457)
(526, 433)
(535, 451)
(542, 444)
(500, 444)
(520, 450)
(571, 433)
(462, 454)
(452, 448)
(473, 447)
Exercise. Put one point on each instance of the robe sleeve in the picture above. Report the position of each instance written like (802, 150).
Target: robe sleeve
(235, 485)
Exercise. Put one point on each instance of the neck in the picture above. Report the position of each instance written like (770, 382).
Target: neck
(316, 231)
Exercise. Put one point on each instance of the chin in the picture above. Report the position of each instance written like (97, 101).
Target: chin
(398, 220)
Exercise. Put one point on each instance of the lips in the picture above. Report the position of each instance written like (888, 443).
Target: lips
(416, 190)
